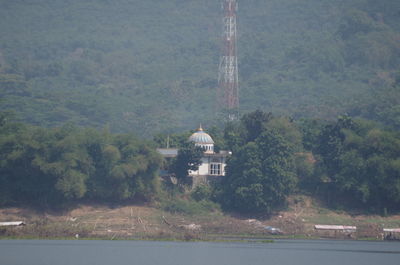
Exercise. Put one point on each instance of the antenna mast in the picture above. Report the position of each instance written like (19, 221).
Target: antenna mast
(228, 80)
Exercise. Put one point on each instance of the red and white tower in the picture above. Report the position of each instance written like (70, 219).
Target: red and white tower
(228, 80)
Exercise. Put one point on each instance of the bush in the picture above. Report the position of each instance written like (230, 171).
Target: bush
(209, 206)
(189, 207)
(201, 192)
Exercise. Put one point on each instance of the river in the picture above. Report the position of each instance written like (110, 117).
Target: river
(281, 252)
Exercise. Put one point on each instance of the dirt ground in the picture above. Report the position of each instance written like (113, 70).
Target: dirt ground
(145, 222)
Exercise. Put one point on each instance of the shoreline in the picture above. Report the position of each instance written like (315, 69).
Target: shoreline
(146, 222)
(208, 238)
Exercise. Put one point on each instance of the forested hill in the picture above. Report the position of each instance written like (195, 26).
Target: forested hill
(148, 66)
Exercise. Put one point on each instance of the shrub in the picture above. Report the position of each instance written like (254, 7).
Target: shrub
(189, 207)
(201, 192)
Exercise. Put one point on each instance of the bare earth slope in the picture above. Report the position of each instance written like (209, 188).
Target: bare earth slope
(146, 222)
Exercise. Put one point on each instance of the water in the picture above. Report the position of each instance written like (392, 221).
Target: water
(281, 252)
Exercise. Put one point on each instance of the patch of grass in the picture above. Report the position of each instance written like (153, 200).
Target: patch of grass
(384, 221)
(330, 219)
(323, 211)
(190, 207)
(266, 241)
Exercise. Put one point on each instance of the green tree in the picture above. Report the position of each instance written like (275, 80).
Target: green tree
(50, 167)
(254, 123)
(261, 172)
(260, 175)
(188, 158)
(362, 163)
(126, 168)
(202, 192)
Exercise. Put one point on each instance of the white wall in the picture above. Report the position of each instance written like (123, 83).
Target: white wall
(204, 168)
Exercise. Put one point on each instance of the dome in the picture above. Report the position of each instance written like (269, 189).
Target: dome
(201, 137)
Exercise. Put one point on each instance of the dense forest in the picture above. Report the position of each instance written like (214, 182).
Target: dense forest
(348, 163)
(82, 83)
(151, 66)
(54, 167)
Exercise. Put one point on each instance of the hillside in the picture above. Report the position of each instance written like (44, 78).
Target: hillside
(151, 66)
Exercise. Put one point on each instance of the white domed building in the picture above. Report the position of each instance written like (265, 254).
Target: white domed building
(213, 164)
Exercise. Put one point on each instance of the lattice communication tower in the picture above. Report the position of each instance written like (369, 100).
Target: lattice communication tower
(228, 80)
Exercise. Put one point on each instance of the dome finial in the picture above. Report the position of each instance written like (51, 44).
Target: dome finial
(201, 137)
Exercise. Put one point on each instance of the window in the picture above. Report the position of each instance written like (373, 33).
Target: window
(215, 169)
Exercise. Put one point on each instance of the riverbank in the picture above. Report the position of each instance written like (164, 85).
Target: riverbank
(149, 222)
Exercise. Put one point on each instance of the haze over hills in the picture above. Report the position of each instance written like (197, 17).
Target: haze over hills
(151, 66)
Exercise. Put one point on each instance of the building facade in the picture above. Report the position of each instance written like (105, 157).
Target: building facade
(212, 163)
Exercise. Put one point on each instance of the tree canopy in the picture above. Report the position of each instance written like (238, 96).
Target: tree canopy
(347, 163)
(261, 172)
(188, 158)
(50, 167)
(362, 162)
(151, 66)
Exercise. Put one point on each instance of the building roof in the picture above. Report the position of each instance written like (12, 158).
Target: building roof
(16, 223)
(168, 152)
(201, 137)
(219, 154)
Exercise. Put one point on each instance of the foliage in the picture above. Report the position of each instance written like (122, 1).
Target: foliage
(253, 124)
(188, 158)
(190, 207)
(118, 63)
(201, 192)
(175, 140)
(260, 174)
(361, 161)
(351, 162)
(305, 169)
(50, 167)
